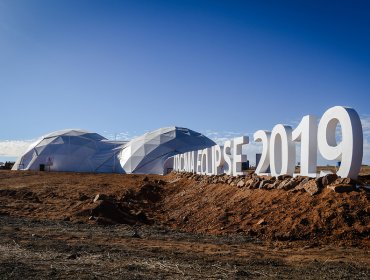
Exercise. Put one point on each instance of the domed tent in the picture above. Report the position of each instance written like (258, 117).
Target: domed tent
(147, 154)
(82, 151)
(72, 150)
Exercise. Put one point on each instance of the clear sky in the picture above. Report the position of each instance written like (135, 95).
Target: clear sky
(217, 67)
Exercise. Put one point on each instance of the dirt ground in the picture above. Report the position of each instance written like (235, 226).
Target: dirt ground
(98, 226)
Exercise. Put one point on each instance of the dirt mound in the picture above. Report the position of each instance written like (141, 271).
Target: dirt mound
(131, 208)
(91, 198)
(270, 213)
(278, 209)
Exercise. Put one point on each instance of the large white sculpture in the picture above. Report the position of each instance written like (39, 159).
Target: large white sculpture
(279, 151)
(72, 150)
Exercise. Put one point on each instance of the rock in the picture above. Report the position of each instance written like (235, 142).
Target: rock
(99, 197)
(107, 212)
(318, 182)
(263, 183)
(328, 179)
(348, 181)
(276, 184)
(261, 222)
(292, 183)
(300, 186)
(255, 184)
(266, 177)
(286, 184)
(269, 186)
(341, 188)
(282, 183)
(249, 182)
(312, 187)
(300, 178)
(159, 182)
(283, 177)
(149, 192)
(240, 184)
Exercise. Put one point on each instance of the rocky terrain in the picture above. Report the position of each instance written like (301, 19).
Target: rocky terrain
(55, 225)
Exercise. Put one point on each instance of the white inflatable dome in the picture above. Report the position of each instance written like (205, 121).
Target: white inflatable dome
(147, 154)
(72, 150)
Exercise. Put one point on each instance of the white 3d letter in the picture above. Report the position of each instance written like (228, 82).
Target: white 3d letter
(182, 162)
(264, 136)
(282, 150)
(227, 157)
(306, 133)
(218, 159)
(204, 165)
(199, 162)
(209, 161)
(350, 150)
(238, 157)
(193, 161)
(186, 161)
(175, 162)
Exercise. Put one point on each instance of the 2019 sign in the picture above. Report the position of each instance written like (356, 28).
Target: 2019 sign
(279, 148)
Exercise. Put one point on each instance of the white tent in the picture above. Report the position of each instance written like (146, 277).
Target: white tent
(72, 150)
(82, 151)
(147, 154)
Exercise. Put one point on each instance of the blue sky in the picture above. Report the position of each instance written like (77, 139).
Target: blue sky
(217, 67)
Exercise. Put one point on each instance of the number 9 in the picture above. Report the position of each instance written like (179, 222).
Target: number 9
(350, 150)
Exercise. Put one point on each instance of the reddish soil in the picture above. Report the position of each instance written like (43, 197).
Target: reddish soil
(221, 224)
